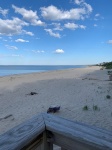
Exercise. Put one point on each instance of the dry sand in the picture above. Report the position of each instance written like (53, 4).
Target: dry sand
(72, 89)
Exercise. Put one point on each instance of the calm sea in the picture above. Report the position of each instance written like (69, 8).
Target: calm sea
(23, 69)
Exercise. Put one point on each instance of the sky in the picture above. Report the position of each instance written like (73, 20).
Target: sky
(55, 32)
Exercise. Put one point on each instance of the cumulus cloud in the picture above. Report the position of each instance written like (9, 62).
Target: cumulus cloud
(78, 2)
(73, 26)
(83, 4)
(11, 47)
(11, 27)
(21, 40)
(27, 32)
(53, 13)
(51, 33)
(59, 51)
(82, 26)
(29, 15)
(109, 42)
(57, 26)
(4, 12)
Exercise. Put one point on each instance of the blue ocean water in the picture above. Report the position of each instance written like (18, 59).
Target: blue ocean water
(6, 70)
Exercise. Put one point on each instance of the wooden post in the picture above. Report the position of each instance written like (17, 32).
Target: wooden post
(46, 145)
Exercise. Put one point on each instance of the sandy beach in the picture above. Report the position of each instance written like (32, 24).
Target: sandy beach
(72, 89)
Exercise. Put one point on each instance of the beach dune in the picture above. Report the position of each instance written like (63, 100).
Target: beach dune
(72, 89)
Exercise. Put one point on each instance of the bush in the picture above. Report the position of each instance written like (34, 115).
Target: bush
(95, 107)
(85, 107)
(108, 96)
(107, 65)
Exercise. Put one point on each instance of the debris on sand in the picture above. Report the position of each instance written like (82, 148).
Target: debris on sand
(32, 93)
(53, 109)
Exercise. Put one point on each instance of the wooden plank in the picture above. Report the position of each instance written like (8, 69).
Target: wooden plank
(70, 144)
(18, 137)
(79, 126)
(84, 136)
(36, 144)
(67, 134)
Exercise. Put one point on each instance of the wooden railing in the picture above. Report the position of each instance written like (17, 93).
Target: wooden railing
(41, 132)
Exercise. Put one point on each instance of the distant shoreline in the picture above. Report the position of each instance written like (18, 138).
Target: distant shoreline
(28, 69)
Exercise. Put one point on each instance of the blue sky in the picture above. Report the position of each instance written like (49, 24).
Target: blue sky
(52, 32)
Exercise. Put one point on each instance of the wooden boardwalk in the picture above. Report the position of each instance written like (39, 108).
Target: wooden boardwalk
(44, 130)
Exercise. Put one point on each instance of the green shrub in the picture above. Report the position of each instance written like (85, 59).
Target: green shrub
(85, 107)
(95, 107)
(107, 65)
(108, 96)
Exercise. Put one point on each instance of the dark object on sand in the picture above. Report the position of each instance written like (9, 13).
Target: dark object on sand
(53, 109)
(32, 93)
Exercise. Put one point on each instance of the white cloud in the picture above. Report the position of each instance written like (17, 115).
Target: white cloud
(82, 26)
(59, 51)
(51, 33)
(28, 33)
(4, 12)
(95, 25)
(53, 13)
(84, 5)
(11, 27)
(73, 26)
(38, 51)
(21, 40)
(97, 15)
(88, 7)
(29, 15)
(11, 47)
(109, 42)
(57, 26)
(78, 2)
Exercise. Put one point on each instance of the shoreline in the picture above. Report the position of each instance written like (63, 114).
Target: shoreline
(72, 89)
(37, 70)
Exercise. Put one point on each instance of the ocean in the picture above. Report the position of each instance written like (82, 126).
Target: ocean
(6, 70)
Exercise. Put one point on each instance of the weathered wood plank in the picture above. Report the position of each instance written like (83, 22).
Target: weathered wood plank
(18, 137)
(86, 136)
(79, 126)
(67, 134)
(36, 144)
